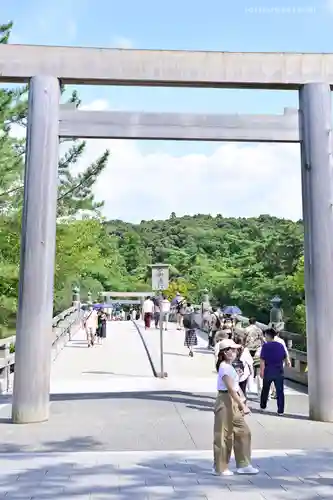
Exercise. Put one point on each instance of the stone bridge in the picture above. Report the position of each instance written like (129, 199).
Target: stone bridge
(116, 431)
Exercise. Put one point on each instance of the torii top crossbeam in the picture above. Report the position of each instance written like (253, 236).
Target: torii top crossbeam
(105, 66)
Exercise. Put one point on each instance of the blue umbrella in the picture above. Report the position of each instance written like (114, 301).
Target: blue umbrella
(98, 306)
(234, 310)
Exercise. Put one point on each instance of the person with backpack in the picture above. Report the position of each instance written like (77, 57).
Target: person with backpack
(215, 326)
(243, 364)
(190, 329)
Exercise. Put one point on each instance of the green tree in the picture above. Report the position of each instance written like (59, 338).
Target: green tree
(75, 192)
(78, 257)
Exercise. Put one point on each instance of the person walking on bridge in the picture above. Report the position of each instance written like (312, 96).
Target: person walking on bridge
(157, 312)
(190, 329)
(165, 311)
(272, 358)
(277, 338)
(253, 337)
(148, 311)
(101, 328)
(90, 326)
(180, 304)
(215, 325)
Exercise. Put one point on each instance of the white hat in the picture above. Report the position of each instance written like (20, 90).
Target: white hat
(228, 344)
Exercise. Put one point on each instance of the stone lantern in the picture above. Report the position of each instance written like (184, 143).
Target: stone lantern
(76, 296)
(276, 314)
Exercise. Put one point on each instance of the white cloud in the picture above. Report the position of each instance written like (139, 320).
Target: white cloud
(235, 180)
(121, 42)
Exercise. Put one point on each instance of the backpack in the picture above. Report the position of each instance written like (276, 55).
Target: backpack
(188, 321)
(180, 306)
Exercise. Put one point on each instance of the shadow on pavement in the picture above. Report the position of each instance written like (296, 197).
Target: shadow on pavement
(290, 416)
(194, 401)
(302, 475)
(168, 396)
(76, 444)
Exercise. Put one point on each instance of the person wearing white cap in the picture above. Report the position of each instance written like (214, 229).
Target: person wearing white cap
(230, 429)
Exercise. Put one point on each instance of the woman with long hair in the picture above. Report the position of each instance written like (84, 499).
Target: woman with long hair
(231, 431)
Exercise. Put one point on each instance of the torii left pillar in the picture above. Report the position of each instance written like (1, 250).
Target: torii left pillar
(31, 392)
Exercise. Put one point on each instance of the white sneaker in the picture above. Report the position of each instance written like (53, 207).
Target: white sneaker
(226, 472)
(248, 470)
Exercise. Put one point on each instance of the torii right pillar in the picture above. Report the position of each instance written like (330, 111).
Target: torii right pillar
(317, 195)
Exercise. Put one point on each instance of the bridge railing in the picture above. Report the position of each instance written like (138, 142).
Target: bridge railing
(64, 325)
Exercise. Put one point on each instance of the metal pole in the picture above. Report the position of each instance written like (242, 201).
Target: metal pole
(34, 317)
(317, 194)
(161, 338)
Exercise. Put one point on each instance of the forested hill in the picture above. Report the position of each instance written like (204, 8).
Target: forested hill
(244, 261)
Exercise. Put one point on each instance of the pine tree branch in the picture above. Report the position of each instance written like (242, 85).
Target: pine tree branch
(84, 180)
(5, 30)
(82, 183)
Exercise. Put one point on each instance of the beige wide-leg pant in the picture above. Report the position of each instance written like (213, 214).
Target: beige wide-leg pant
(230, 432)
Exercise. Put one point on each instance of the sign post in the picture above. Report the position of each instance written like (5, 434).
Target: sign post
(160, 282)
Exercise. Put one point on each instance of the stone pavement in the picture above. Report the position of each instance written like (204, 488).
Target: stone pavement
(116, 432)
(177, 362)
(121, 357)
(293, 475)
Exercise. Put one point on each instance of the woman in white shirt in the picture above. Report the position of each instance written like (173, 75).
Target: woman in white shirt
(230, 429)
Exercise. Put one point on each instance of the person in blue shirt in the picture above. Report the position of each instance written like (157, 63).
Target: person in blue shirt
(272, 358)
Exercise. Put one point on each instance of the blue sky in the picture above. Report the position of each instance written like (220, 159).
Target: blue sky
(240, 25)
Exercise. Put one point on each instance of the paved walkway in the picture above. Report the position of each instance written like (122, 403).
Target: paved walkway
(116, 432)
(112, 366)
(294, 475)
